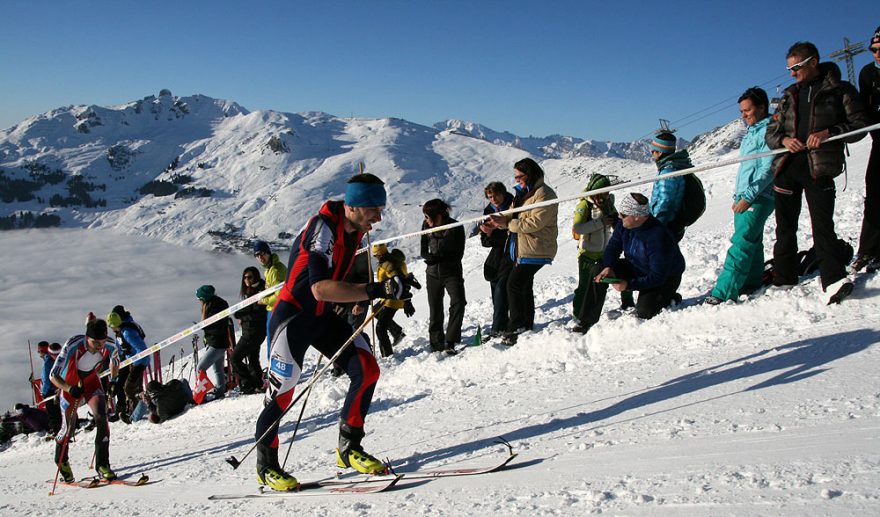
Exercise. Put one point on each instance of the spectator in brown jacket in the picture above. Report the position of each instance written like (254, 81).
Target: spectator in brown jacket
(811, 111)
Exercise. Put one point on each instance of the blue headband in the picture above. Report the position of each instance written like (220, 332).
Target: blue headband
(365, 195)
(663, 146)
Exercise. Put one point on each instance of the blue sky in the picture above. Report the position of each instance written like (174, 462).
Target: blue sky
(600, 70)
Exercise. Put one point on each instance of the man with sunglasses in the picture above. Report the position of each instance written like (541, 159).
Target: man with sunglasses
(818, 106)
(868, 257)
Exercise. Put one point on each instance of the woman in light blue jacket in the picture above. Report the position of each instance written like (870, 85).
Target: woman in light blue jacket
(752, 205)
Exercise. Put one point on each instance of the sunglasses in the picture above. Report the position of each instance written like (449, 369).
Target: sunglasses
(248, 277)
(519, 177)
(875, 50)
(797, 66)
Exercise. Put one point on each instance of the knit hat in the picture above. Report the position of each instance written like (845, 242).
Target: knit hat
(597, 181)
(663, 142)
(875, 39)
(261, 247)
(629, 205)
(43, 347)
(96, 329)
(54, 349)
(379, 250)
(205, 292)
(114, 320)
(365, 195)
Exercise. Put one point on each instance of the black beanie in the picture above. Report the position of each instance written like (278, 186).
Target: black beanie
(96, 329)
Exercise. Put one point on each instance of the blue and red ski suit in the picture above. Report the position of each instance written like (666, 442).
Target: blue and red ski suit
(322, 251)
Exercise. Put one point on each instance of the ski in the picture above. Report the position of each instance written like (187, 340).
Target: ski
(414, 475)
(95, 482)
(321, 488)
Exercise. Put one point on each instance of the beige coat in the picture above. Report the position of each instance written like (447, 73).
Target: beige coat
(536, 230)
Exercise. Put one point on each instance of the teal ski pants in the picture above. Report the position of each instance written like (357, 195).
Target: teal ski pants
(744, 264)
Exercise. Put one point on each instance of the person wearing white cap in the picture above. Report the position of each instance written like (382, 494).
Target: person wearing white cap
(652, 264)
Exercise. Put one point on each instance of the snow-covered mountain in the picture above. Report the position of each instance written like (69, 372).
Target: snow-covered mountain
(201, 171)
(767, 405)
(553, 146)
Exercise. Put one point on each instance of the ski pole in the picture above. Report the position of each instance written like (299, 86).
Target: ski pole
(372, 279)
(73, 409)
(33, 381)
(299, 419)
(237, 463)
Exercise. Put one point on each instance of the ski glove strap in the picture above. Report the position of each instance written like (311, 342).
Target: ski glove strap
(395, 288)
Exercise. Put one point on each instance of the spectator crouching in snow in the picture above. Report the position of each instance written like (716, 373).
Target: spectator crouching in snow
(652, 264)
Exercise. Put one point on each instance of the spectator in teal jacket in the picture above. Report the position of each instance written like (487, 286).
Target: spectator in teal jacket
(753, 203)
(668, 194)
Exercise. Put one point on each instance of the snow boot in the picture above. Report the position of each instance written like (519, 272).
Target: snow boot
(276, 479)
(106, 473)
(270, 474)
(350, 454)
(66, 473)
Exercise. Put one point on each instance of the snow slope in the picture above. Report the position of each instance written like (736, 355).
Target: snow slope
(769, 406)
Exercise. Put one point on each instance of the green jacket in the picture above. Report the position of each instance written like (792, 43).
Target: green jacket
(276, 273)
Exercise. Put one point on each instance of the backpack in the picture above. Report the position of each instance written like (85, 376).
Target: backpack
(693, 203)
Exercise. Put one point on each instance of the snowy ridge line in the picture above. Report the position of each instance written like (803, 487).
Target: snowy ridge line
(632, 183)
(638, 181)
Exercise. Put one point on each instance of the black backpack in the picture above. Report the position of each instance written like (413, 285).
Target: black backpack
(693, 203)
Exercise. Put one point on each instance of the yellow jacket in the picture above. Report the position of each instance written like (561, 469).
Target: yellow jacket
(275, 274)
(393, 265)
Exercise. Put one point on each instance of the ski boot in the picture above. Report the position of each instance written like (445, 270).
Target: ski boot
(106, 473)
(66, 473)
(270, 474)
(350, 454)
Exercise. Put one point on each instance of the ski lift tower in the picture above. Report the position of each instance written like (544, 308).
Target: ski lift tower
(846, 54)
(664, 127)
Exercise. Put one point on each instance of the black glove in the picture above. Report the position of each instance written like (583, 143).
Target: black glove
(112, 389)
(76, 391)
(412, 282)
(395, 288)
(408, 308)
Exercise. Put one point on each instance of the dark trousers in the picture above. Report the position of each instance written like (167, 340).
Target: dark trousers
(293, 332)
(248, 348)
(869, 240)
(521, 296)
(820, 193)
(500, 305)
(134, 386)
(649, 303)
(385, 324)
(436, 286)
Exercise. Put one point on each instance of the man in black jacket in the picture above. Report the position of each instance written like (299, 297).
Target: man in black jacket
(869, 89)
(443, 251)
(811, 111)
(497, 267)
